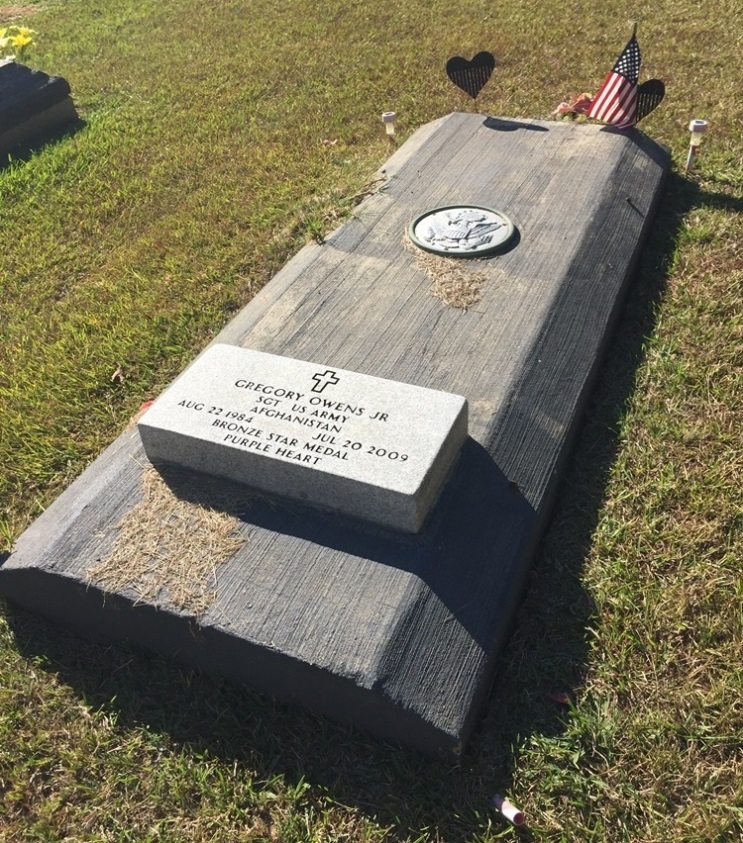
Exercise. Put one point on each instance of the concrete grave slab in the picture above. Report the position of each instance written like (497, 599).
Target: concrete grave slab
(32, 105)
(397, 633)
(367, 447)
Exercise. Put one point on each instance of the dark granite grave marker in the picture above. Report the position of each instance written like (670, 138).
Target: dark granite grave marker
(33, 105)
(396, 633)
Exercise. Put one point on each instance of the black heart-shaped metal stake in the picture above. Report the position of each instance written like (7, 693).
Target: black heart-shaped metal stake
(471, 76)
(649, 96)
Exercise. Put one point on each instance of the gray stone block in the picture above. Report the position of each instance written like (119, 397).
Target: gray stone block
(362, 446)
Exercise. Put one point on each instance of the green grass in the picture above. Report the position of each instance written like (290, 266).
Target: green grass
(199, 169)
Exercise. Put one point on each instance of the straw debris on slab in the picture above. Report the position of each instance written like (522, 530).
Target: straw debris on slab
(453, 282)
(168, 547)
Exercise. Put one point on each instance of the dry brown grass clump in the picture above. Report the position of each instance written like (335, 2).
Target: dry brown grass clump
(168, 548)
(453, 281)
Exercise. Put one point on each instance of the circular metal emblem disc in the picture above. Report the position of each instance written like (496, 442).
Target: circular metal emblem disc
(463, 231)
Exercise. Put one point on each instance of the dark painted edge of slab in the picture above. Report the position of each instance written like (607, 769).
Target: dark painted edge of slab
(604, 344)
(116, 616)
(39, 126)
(25, 92)
(112, 617)
(560, 322)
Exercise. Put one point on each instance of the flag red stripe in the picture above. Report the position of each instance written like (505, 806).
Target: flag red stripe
(620, 106)
(623, 111)
(605, 97)
(615, 102)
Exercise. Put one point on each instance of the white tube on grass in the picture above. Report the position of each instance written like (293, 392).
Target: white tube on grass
(509, 810)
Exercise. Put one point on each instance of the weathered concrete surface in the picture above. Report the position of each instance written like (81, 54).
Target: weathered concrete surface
(32, 105)
(399, 633)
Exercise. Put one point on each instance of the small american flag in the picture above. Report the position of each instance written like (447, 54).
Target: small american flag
(616, 101)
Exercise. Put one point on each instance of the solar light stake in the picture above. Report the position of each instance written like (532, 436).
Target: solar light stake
(388, 118)
(697, 129)
(508, 809)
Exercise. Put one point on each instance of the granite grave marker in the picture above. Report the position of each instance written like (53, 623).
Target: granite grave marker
(367, 447)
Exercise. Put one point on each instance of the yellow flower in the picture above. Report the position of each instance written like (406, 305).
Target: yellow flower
(15, 38)
(20, 41)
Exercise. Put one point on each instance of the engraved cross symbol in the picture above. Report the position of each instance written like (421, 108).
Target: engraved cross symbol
(322, 380)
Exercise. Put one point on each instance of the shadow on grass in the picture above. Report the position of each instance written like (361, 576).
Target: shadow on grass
(547, 653)
(24, 152)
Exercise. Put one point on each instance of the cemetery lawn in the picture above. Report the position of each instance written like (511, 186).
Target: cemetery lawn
(214, 143)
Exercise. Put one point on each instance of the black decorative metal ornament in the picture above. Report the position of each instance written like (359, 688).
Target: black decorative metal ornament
(649, 96)
(471, 76)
